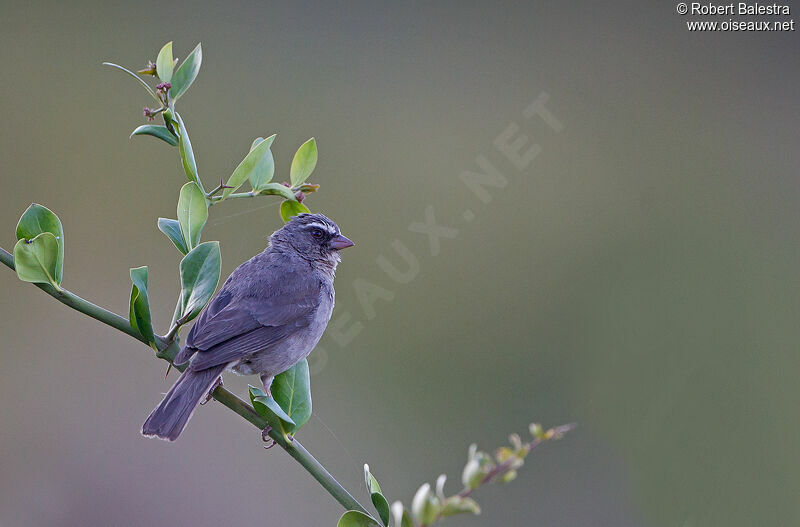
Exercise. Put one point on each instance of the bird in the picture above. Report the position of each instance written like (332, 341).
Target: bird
(268, 315)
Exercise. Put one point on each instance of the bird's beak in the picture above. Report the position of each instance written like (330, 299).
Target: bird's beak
(341, 242)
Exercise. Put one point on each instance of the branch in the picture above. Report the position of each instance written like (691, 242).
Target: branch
(167, 351)
(216, 199)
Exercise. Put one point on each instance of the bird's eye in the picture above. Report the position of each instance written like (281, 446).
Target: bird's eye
(316, 233)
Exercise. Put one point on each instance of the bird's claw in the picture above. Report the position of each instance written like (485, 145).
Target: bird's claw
(214, 386)
(266, 438)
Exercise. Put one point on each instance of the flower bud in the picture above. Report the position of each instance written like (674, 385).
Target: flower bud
(473, 473)
(425, 507)
(458, 505)
(150, 69)
(508, 476)
(400, 515)
(536, 431)
(440, 487)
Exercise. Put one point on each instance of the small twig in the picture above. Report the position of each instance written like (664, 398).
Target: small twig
(217, 199)
(221, 186)
(556, 433)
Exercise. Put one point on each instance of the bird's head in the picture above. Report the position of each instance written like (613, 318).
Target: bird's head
(313, 236)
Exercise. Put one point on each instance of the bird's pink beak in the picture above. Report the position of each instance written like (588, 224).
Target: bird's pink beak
(341, 242)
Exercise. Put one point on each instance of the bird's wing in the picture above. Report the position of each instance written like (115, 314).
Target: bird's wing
(238, 347)
(223, 318)
(253, 322)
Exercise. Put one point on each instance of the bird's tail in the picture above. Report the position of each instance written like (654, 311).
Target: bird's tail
(171, 415)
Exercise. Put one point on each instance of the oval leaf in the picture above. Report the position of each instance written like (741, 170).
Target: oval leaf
(270, 410)
(140, 304)
(305, 159)
(35, 260)
(192, 213)
(162, 132)
(187, 154)
(199, 278)
(278, 189)
(378, 499)
(252, 162)
(382, 506)
(292, 391)
(164, 64)
(36, 220)
(186, 73)
(265, 168)
(357, 519)
(172, 228)
(289, 209)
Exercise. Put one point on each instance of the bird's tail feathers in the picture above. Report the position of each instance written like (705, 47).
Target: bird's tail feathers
(173, 412)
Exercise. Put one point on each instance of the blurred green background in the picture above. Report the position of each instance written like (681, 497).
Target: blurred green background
(639, 277)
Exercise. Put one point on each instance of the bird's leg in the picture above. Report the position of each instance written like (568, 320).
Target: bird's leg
(266, 380)
(214, 386)
(266, 438)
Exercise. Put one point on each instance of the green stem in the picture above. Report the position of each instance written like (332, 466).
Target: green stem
(79, 304)
(168, 350)
(216, 199)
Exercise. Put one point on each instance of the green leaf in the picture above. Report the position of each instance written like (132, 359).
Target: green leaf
(186, 73)
(305, 159)
(378, 499)
(199, 278)
(187, 154)
(278, 189)
(38, 219)
(172, 228)
(162, 132)
(292, 391)
(269, 409)
(290, 208)
(357, 519)
(192, 213)
(265, 168)
(132, 74)
(164, 64)
(140, 304)
(252, 162)
(36, 259)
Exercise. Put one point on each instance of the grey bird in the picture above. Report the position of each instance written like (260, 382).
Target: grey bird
(269, 314)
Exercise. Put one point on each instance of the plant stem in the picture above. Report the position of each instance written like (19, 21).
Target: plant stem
(216, 199)
(167, 351)
(79, 304)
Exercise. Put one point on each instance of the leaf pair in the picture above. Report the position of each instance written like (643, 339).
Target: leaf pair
(303, 164)
(360, 519)
(185, 232)
(289, 408)
(39, 252)
(200, 271)
(180, 79)
(140, 318)
(258, 166)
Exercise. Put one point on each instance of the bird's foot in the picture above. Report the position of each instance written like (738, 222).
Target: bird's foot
(214, 386)
(266, 438)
